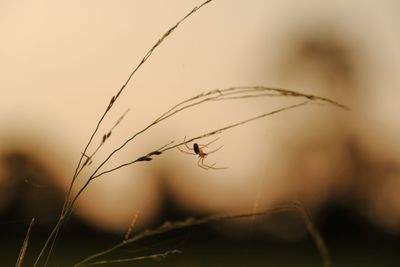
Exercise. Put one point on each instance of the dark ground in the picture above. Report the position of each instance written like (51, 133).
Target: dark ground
(352, 241)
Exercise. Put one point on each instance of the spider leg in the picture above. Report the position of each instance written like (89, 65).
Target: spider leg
(201, 164)
(186, 152)
(207, 167)
(215, 150)
(206, 145)
(186, 145)
(217, 168)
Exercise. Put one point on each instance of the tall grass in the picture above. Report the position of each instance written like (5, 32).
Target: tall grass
(89, 153)
(296, 206)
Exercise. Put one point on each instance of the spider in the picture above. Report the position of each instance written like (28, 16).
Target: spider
(198, 150)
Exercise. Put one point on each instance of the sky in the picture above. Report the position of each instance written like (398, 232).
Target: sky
(62, 61)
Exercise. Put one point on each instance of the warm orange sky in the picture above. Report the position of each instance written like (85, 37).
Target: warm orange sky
(61, 61)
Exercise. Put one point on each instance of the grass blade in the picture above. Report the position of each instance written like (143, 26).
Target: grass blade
(22, 252)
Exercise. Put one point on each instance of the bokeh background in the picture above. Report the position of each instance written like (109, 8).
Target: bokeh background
(62, 61)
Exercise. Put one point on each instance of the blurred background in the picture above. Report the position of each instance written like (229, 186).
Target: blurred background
(62, 61)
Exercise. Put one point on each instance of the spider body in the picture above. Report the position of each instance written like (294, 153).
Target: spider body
(198, 150)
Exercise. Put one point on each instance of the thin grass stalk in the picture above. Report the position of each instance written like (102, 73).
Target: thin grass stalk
(157, 256)
(24, 247)
(168, 227)
(149, 156)
(215, 95)
(65, 210)
(316, 236)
